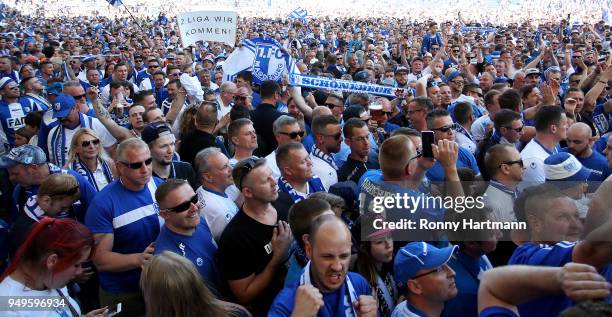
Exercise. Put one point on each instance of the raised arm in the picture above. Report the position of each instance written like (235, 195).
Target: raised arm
(118, 132)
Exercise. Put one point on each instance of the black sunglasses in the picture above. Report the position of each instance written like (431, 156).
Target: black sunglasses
(519, 130)
(519, 162)
(240, 97)
(331, 105)
(182, 207)
(335, 136)
(445, 129)
(293, 135)
(153, 66)
(245, 169)
(87, 143)
(137, 165)
(79, 96)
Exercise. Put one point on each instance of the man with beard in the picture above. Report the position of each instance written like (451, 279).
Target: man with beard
(580, 144)
(161, 143)
(328, 136)
(326, 287)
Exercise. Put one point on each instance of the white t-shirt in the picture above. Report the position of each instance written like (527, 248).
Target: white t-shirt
(326, 172)
(502, 204)
(11, 288)
(217, 208)
(479, 127)
(271, 162)
(533, 156)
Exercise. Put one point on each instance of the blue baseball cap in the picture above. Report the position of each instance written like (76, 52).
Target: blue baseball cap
(54, 88)
(26, 154)
(453, 75)
(62, 106)
(416, 256)
(564, 166)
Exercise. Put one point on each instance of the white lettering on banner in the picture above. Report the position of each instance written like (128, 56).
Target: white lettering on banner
(15, 123)
(344, 85)
(217, 26)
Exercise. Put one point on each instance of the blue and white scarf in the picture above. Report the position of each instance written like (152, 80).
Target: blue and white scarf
(325, 157)
(58, 140)
(345, 308)
(79, 167)
(314, 185)
(504, 188)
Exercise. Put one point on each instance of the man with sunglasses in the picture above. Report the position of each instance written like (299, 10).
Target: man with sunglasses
(124, 220)
(59, 138)
(185, 232)
(328, 137)
(439, 121)
(505, 166)
(286, 129)
(144, 79)
(422, 273)
(13, 110)
(257, 234)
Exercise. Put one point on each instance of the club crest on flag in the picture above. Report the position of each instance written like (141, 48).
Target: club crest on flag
(269, 62)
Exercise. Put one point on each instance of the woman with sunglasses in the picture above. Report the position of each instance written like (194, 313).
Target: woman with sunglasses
(90, 160)
(48, 259)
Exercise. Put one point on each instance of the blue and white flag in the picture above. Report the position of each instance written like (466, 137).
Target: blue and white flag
(605, 16)
(114, 3)
(263, 57)
(298, 13)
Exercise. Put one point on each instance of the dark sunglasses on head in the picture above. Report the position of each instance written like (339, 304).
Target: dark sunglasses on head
(245, 169)
(137, 165)
(87, 143)
(519, 162)
(293, 135)
(182, 207)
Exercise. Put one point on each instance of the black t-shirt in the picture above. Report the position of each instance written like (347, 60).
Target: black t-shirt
(194, 143)
(352, 170)
(182, 170)
(245, 248)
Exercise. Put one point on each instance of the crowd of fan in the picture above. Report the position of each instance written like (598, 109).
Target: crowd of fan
(119, 185)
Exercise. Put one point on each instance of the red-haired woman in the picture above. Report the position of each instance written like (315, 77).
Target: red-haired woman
(34, 284)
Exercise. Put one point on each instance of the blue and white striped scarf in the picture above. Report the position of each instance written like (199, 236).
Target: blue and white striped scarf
(325, 157)
(79, 167)
(58, 140)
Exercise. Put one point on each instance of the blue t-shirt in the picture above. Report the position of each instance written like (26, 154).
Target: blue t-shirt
(466, 159)
(200, 248)
(601, 144)
(12, 117)
(133, 219)
(79, 207)
(468, 272)
(598, 165)
(285, 300)
(497, 311)
(544, 255)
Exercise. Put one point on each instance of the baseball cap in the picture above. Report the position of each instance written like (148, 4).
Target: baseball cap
(416, 256)
(207, 59)
(453, 75)
(171, 56)
(154, 131)
(531, 71)
(361, 75)
(26, 154)
(54, 88)
(62, 106)
(401, 69)
(564, 166)
(4, 81)
(355, 111)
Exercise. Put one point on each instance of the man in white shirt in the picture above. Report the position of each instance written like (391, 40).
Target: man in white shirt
(503, 162)
(479, 127)
(286, 129)
(328, 136)
(217, 193)
(551, 127)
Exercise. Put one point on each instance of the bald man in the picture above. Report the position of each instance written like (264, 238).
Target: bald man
(326, 288)
(580, 144)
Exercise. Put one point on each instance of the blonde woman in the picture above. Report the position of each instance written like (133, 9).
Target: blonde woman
(172, 286)
(88, 158)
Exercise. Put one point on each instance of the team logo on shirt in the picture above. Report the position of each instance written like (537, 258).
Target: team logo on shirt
(199, 261)
(533, 165)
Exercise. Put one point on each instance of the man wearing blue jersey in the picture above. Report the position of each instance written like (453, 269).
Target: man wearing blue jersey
(13, 110)
(184, 231)
(553, 223)
(124, 220)
(326, 288)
